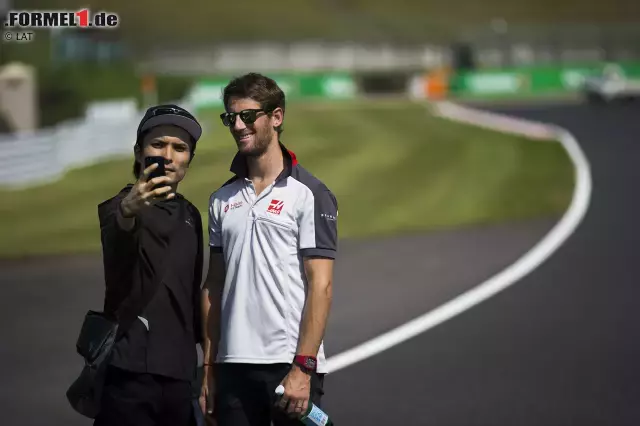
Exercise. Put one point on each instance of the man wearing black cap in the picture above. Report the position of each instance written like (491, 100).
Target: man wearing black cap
(152, 253)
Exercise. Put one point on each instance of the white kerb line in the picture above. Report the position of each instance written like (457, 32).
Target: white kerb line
(507, 277)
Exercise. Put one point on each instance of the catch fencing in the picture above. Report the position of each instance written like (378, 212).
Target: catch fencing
(106, 132)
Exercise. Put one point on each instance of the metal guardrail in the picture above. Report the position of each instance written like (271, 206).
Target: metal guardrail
(46, 155)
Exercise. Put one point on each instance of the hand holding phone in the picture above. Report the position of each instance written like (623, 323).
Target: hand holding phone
(147, 191)
(159, 171)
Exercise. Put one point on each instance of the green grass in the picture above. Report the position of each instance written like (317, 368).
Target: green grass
(393, 167)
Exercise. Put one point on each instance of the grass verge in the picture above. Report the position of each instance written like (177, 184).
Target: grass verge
(393, 167)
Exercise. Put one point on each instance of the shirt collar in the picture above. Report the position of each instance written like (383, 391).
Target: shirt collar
(240, 169)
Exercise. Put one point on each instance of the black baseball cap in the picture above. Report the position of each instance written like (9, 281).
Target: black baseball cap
(169, 114)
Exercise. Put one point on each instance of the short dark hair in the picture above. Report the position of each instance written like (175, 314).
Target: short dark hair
(258, 87)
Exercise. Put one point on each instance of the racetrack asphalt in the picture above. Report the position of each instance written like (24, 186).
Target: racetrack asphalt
(558, 348)
(378, 285)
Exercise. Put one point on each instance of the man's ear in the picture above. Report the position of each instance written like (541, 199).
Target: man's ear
(278, 117)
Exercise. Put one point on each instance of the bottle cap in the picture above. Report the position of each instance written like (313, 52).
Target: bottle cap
(280, 390)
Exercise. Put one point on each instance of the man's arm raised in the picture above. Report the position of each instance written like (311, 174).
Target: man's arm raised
(142, 195)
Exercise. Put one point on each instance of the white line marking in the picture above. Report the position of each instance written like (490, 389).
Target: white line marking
(510, 275)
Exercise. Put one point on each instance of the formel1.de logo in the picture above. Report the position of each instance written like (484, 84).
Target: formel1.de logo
(17, 23)
(35, 19)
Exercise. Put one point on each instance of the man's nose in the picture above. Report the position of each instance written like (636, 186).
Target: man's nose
(167, 153)
(239, 124)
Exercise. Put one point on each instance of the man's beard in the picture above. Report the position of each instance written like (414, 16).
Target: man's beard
(262, 139)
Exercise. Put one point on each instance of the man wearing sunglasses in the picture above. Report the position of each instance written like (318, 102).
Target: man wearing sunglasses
(273, 241)
(152, 253)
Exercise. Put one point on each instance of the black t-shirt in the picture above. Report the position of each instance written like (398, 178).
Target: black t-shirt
(162, 254)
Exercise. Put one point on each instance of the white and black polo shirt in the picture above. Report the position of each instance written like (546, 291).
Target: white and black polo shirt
(264, 240)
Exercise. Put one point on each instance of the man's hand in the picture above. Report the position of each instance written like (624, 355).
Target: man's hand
(143, 193)
(207, 392)
(297, 392)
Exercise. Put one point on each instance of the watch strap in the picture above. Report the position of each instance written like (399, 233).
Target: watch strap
(306, 363)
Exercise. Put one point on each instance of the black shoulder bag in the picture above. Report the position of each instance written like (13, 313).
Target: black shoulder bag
(98, 335)
(97, 338)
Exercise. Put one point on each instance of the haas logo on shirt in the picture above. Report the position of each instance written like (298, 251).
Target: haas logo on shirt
(275, 207)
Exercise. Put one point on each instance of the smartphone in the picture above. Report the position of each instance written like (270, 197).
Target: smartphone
(159, 171)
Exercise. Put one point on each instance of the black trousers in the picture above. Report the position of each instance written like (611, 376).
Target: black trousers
(144, 400)
(245, 394)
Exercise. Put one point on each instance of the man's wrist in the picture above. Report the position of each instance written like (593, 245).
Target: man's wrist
(300, 371)
(306, 363)
(124, 209)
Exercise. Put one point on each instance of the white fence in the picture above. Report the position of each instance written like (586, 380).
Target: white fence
(44, 156)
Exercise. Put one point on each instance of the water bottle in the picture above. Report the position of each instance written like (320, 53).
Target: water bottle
(314, 416)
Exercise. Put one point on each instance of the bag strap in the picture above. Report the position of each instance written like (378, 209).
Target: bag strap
(126, 320)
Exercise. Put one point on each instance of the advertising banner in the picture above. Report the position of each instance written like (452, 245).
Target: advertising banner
(533, 80)
(207, 93)
(328, 86)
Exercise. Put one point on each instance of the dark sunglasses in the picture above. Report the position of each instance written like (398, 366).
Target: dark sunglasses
(154, 112)
(248, 116)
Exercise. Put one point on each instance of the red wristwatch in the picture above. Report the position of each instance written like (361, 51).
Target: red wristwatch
(306, 363)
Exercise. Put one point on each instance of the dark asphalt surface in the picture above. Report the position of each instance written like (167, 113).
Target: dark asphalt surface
(561, 347)
(43, 302)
